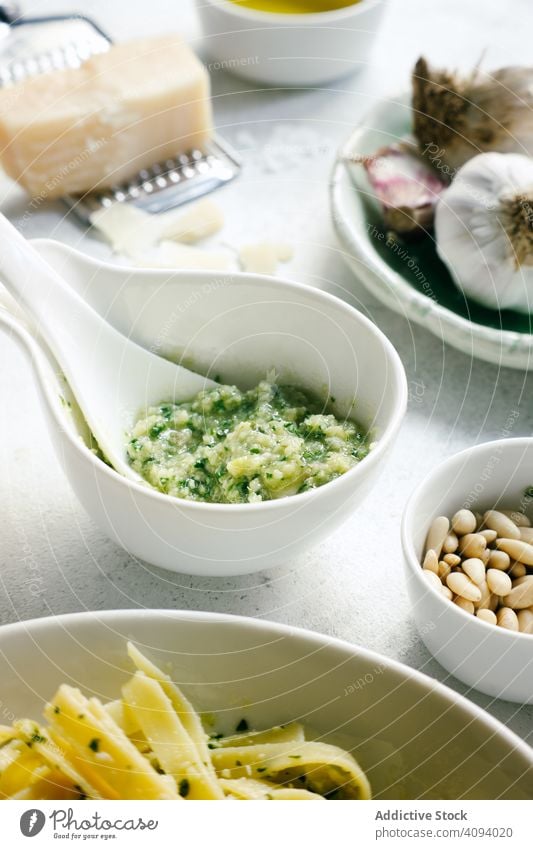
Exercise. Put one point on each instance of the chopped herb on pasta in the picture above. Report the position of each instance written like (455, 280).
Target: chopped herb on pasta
(150, 744)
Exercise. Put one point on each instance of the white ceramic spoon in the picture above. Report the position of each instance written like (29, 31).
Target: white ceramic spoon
(111, 377)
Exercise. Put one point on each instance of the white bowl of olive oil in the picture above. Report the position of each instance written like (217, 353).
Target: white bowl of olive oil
(289, 42)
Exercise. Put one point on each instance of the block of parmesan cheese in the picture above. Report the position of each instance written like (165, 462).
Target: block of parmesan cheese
(74, 131)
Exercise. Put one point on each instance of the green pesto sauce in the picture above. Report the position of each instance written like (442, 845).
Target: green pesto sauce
(233, 447)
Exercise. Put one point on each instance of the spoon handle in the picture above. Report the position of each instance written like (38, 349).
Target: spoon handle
(58, 312)
(12, 326)
(111, 377)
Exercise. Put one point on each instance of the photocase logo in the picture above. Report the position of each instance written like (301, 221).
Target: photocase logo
(32, 822)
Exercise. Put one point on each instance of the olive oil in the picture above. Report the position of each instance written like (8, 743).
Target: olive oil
(295, 7)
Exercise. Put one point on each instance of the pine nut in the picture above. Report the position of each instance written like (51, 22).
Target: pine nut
(446, 592)
(431, 561)
(518, 518)
(499, 560)
(525, 620)
(452, 559)
(489, 535)
(516, 549)
(499, 582)
(479, 519)
(472, 545)
(487, 616)
(521, 580)
(517, 570)
(507, 618)
(475, 569)
(501, 523)
(463, 586)
(450, 544)
(521, 594)
(437, 533)
(432, 579)
(526, 534)
(494, 602)
(486, 596)
(464, 604)
(485, 557)
(464, 522)
(444, 570)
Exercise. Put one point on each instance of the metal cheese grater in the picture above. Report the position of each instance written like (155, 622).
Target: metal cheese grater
(30, 46)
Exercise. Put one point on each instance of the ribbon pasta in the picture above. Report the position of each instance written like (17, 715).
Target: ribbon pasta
(150, 744)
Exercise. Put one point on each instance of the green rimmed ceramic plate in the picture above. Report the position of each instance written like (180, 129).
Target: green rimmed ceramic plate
(409, 277)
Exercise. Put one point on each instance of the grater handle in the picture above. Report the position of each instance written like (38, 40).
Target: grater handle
(9, 12)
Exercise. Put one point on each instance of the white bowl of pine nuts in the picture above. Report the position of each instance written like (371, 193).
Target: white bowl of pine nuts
(467, 537)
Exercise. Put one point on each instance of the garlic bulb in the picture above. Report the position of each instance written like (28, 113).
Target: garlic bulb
(484, 230)
(455, 118)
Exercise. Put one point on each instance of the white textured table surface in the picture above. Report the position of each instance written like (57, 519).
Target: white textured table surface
(54, 560)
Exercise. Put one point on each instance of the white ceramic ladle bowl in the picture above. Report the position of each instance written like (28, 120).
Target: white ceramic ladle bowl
(489, 658)
(414, 738)
(234, 327)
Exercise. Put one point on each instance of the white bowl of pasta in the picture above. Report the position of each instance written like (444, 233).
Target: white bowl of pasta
(163, 704)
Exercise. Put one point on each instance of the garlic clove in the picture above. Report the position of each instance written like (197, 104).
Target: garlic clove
(405, 186)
